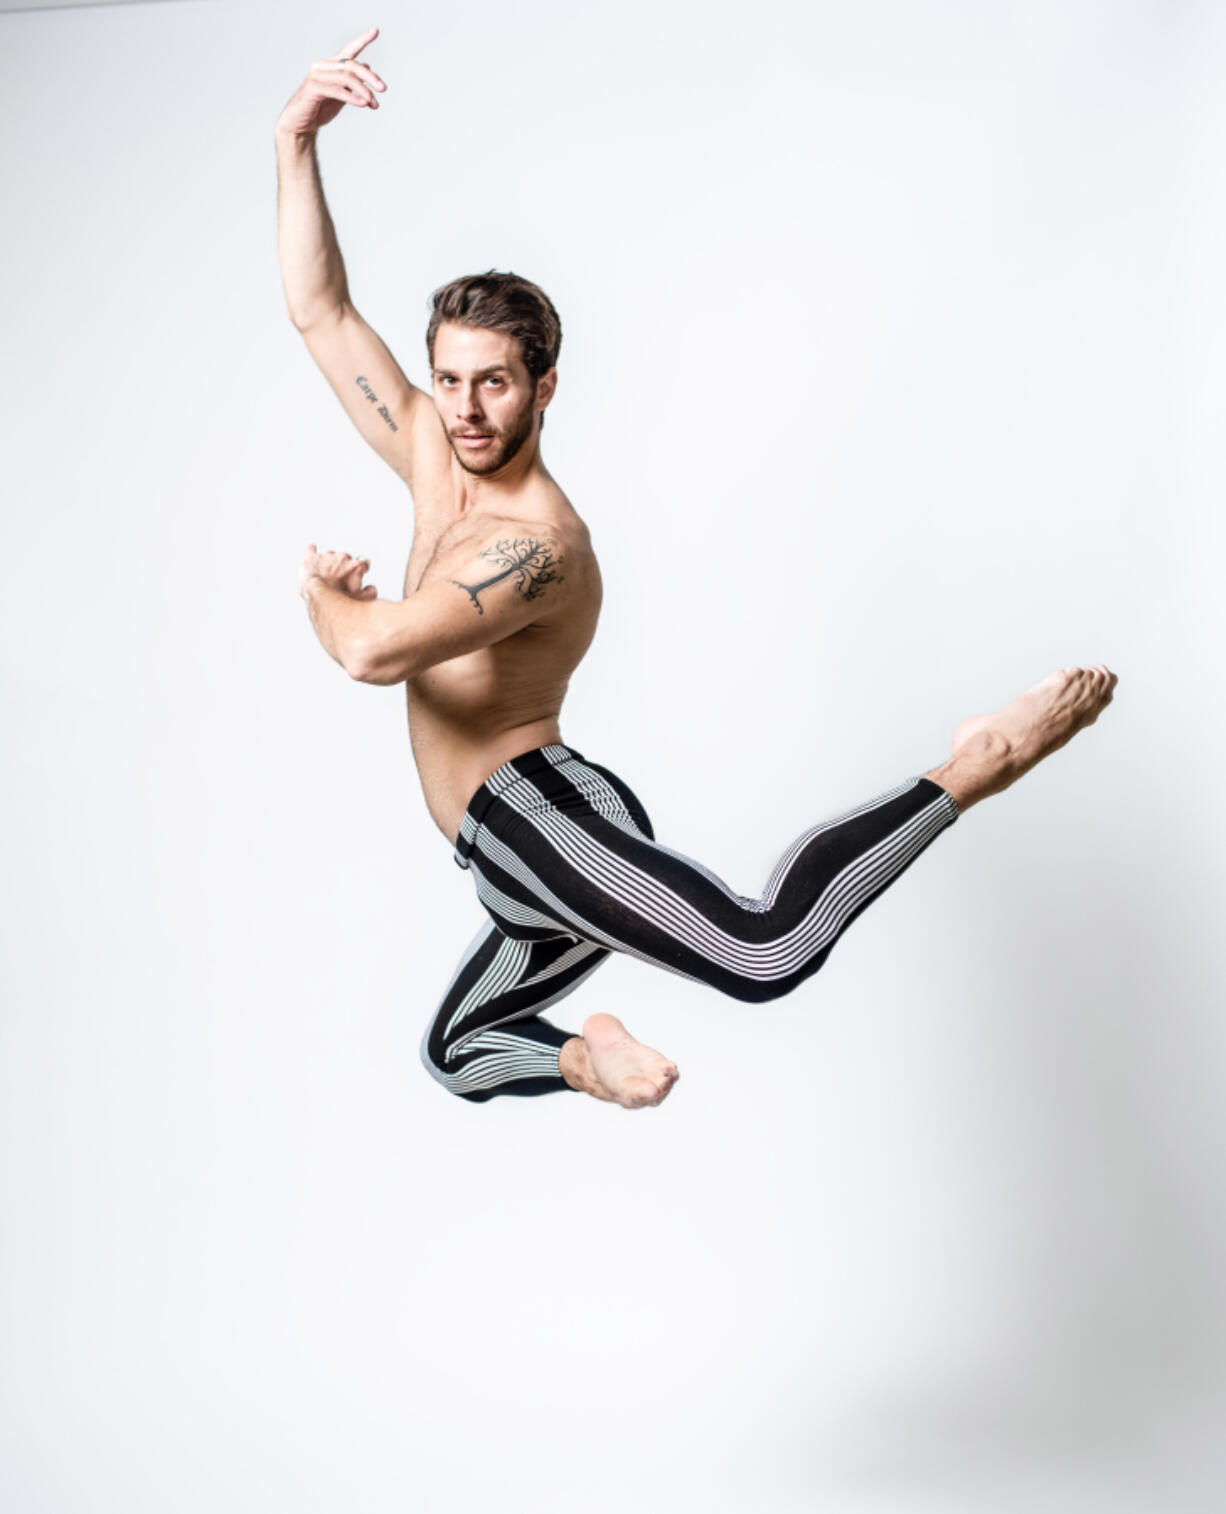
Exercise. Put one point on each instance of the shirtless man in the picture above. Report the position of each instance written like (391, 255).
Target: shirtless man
(501, 598)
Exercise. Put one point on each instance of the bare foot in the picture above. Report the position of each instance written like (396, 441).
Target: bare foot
(610, 1064)
(990, 752)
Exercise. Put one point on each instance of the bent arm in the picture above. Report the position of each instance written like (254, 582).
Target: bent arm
(341, 622)
(506, 586)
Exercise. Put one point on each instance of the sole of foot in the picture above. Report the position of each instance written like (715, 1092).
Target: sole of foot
(990, 752)
(631, 1074)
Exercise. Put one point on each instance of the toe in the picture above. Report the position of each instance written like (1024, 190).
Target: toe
(635, 1092)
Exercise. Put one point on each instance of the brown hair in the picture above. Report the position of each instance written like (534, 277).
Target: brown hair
(501, 302)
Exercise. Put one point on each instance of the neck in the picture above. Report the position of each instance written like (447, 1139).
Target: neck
(500, 493)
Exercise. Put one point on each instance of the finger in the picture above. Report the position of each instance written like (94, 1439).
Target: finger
(338, 92)
(369, 592)
(363, 39)
(363, 71)
(354, 91)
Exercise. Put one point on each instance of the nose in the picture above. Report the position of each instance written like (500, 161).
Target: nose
(468, 407)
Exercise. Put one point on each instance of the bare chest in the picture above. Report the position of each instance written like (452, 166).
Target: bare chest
(440, 547)
(434, 545)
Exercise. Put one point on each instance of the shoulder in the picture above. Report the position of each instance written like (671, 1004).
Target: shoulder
(543, 540)
(517, 560)
(544, 563)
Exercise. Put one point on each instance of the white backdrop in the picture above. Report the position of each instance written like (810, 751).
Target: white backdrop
(891, 380)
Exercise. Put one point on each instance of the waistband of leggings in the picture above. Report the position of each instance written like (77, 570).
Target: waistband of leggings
(527, 765)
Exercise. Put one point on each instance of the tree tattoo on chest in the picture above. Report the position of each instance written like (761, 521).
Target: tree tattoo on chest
(530, 560)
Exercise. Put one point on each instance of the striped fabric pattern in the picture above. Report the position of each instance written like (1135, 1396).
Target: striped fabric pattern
(566, 865)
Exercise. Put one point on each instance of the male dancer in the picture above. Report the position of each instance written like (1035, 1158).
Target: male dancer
(501, 598)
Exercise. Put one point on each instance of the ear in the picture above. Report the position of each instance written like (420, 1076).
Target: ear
(545, 387)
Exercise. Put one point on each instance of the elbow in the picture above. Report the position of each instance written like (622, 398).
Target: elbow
(375, 654)
(363, 670)
(364, 665)
(360, 661)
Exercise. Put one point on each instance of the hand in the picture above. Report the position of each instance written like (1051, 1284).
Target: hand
(331, 83)
(337, 569)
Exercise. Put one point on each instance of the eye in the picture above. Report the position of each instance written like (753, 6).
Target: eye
(495, 381)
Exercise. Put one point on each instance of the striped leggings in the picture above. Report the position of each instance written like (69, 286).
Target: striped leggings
(566, 864)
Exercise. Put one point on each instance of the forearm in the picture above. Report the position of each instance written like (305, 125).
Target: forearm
(312, 269)
(342, 623)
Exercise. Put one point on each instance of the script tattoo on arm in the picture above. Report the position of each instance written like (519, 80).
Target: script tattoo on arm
(374, 400)
(531, 560)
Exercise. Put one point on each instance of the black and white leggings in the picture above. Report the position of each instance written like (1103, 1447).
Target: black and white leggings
(566, 864)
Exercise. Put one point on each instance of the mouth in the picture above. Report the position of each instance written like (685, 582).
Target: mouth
(475, 438)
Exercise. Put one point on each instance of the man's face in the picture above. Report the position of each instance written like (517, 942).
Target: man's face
(484, 395)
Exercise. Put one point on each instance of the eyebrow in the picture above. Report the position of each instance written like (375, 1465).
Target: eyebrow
(480, 373)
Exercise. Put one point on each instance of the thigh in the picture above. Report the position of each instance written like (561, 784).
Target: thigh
(571, 847)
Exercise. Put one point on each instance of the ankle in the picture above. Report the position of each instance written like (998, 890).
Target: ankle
(981, 765)
(987, 748)
(575, 1064)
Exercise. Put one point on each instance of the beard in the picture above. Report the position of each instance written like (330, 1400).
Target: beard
(502, 449)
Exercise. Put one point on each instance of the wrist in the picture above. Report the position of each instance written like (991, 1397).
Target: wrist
(290, 141)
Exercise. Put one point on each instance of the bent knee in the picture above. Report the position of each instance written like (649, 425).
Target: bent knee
(453, 1080)
(434, 1060)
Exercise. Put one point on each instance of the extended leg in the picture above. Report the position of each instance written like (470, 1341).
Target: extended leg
(563, 844)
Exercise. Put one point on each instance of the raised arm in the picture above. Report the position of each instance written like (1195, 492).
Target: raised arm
(396, 418)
